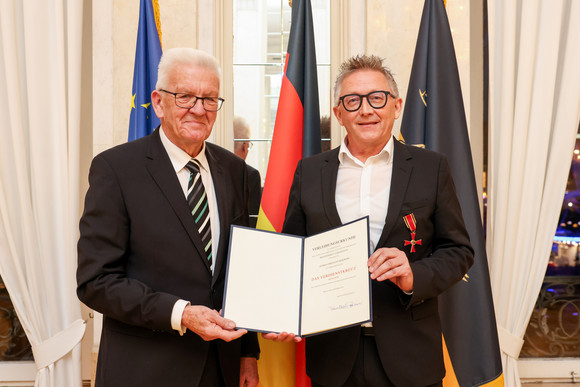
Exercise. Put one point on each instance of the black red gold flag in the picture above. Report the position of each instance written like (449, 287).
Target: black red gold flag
(296, 135)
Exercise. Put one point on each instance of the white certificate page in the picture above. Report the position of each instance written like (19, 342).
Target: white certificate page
(336, 283)
(263, 281)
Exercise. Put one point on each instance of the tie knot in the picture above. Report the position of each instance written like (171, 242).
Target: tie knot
(193, 166)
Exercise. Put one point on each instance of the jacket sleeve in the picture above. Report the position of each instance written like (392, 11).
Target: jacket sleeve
(103, 252)
(295, 219)
(451, 252)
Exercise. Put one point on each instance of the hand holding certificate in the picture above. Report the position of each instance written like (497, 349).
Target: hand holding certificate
(284, 283)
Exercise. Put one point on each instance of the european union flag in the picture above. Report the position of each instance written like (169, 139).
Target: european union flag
(143, 119)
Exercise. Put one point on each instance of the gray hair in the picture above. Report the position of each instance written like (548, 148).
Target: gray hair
(363, 62)
(241, 128)
(183, 55)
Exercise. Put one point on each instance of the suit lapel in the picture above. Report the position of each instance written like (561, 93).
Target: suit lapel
(222, 194)
(162, 172)
(402, 168)
(328, 175)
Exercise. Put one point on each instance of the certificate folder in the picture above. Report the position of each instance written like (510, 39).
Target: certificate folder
(302, 285)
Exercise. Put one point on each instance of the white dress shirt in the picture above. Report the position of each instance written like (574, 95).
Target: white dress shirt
(179, 159)
(363, 188)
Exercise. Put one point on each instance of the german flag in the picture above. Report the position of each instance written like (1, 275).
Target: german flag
(434, 117)
(296, 135)
(147, 55)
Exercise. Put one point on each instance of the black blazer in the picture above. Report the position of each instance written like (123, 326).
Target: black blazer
(407, 329)
(255, 186)
(139, 252)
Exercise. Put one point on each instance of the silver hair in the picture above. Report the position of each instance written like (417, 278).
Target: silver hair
(241, 128)
(183, 55)
(241, 131)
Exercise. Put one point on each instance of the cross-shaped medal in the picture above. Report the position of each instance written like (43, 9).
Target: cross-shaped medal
(411, 224)
(413, 242)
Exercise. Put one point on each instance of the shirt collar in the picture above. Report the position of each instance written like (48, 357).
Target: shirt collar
(385, 153)
(178, 157)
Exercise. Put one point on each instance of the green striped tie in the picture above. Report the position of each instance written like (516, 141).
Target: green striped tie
(197, 199)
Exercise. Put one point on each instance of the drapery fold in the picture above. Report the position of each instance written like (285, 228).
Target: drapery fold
(534, 111)
(40, 88)
(57, 346)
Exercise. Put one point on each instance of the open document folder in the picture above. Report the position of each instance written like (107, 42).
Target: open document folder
(302, 285)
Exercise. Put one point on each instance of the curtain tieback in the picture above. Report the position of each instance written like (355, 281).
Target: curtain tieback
(511, 345)
(57, 346)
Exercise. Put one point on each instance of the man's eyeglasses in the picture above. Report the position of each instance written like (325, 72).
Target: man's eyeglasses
(353, 102)
(187, 101)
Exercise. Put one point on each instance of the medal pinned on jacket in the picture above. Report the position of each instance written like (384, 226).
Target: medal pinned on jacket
(411, 224)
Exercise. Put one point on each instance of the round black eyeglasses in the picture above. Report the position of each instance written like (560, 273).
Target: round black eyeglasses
(376, 99)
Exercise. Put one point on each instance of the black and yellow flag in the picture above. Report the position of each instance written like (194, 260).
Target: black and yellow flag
(434, 117)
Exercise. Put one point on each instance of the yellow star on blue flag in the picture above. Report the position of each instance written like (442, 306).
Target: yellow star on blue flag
(143, 120)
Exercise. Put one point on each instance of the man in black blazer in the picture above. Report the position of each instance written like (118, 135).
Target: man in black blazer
(418, 238)
(141, 261)
(242, 146)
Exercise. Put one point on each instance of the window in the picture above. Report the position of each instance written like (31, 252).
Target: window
(16, 361)
(260, 40)
(554, 327)
(14, 344)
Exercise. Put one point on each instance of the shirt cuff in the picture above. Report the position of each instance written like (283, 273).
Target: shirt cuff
(408, 293)
(176, 316)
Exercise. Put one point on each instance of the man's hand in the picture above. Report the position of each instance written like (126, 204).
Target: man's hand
(392, 264)
(248, 372)
(209, 325)
(283, 337)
